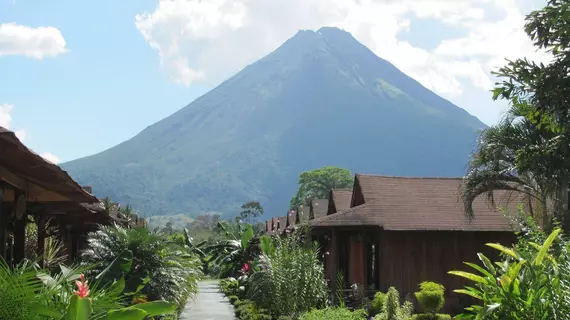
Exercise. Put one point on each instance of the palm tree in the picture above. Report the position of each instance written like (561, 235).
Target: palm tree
(512, 156)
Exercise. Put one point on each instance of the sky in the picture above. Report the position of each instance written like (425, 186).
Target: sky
(79, 77)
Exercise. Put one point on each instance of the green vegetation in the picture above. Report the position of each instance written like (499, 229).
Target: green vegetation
(430, 296)
(113, 288)
(190, 163)
(392, 309)
(529, 283)
(169, 271)
(318, 183)
(529, 151)
(334, 314)
(291, 278)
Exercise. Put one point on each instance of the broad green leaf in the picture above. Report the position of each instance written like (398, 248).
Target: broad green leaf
(481, 270)
(503, 249)
(488, 264)
(469, 293)
(127, 314)
(246, 236)
(79, 308)
(116, 288)
(545, 246)
(41, 310)
(155, 308)
(121, 264)
(469, 276)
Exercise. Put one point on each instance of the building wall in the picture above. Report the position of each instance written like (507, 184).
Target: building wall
(409, 257)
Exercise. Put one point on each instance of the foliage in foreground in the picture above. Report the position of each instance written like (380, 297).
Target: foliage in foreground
(169, 271)
(291, 278)
(392, 309)
(529, 283)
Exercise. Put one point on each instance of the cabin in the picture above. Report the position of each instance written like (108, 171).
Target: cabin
(34, 190)
(400, 231)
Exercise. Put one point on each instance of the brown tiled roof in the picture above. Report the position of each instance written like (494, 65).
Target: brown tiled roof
(16, 157)
(320, 207)
(399, 203)
(340, 199)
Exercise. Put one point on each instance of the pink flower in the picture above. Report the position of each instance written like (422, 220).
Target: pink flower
(245, 267)
(82, 288)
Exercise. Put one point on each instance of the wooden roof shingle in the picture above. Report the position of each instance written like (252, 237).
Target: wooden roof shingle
(402, 203)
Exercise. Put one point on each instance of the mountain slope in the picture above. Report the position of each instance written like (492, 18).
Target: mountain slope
(322, 98)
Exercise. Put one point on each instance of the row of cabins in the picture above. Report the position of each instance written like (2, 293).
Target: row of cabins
(34, 190)
(400, 231)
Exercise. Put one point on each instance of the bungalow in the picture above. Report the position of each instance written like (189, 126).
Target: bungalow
(401, 231)
(33, 186)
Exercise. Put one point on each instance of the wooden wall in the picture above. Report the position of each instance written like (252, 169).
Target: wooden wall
(409, 257)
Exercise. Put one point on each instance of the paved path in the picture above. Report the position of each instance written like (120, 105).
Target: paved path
(210, 304)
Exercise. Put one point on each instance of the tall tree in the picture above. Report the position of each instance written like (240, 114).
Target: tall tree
(542, 92)
(318, 182)
(250, 211)
(494, 166)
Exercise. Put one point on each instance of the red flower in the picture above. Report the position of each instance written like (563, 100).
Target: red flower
(82, 288)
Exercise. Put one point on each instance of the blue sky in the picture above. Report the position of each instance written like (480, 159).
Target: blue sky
(124, 65)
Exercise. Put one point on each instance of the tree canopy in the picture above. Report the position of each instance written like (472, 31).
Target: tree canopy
(318, 182)
(536, 148)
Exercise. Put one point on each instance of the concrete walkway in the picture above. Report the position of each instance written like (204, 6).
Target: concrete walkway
(210, 304)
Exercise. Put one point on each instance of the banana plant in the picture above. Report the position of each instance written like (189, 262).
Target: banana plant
(232, 254)
(519, 287)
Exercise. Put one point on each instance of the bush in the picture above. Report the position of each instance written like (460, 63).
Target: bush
(172, 271)
(377, 304)
(291, 279)
(334, 314)
(248, 310)
(527, 284)
(392, 309)
(430, 297)
(426, 316)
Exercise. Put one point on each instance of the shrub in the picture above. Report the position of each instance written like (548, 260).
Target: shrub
(426, 316)
(291, 279)
(172, 271)
(334, 314)
(527, 284)
(430, 297)
(377, 304)
(248, 310)
(392, 309)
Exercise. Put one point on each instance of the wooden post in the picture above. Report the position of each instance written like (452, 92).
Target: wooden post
(334, 265)
(20, 239)
(41, 223)
(3, 223)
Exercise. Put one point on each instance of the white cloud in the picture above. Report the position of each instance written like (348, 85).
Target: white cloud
(6, 120)
(32, 42)
(207, 41)
(50, 157)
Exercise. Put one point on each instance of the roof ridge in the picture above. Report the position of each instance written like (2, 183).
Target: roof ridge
(403, 177)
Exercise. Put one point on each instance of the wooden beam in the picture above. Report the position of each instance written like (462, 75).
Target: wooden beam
(33, 191)
(13, 179)
(36, 193)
